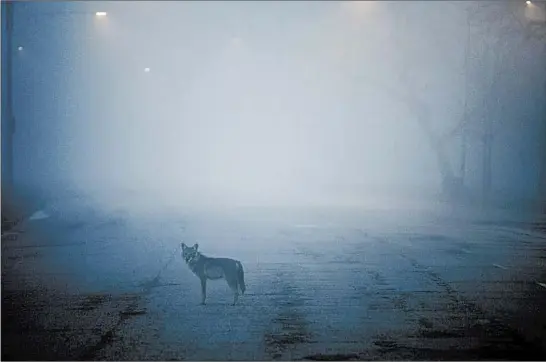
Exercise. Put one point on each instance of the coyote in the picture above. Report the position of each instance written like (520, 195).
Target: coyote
(214, 268)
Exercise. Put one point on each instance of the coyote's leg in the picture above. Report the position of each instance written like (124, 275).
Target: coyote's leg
(234, 286)
(203, 290)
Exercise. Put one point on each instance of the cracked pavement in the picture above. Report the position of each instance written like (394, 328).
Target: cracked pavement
(328, 285)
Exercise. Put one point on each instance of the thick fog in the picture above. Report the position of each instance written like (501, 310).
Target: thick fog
(268, 102)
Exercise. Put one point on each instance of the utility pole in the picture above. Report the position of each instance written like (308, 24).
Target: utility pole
(542, 174)
(462, 172)
(487, 148)
(8, 124)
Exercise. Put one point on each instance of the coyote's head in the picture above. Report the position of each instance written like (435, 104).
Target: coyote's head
(189, 253)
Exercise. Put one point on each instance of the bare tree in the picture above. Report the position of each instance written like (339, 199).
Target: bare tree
(498, 32)
(500, 35)
(407, 91)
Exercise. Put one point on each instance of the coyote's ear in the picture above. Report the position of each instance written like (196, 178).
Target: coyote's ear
(196, 246)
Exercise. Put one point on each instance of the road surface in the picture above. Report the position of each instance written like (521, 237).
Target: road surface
(321, 285)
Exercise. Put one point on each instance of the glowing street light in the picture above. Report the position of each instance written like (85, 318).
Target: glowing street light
(528, 2)
(147, 70)
(20, 48)
(101, 14)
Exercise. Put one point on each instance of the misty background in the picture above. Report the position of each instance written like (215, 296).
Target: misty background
(247, 103)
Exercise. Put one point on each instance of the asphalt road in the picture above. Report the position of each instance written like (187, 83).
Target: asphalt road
(322, 285)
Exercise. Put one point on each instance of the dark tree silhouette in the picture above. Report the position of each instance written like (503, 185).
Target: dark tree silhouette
(508, 31)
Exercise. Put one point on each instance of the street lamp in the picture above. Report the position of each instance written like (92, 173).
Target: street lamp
(8, 118)
(528, 2)
(98, 14)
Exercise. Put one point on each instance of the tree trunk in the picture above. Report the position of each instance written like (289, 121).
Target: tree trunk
(486, 168)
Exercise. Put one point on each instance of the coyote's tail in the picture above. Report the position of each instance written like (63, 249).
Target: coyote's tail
(241, 277)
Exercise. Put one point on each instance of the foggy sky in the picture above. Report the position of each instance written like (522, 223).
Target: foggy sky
(258, 101)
